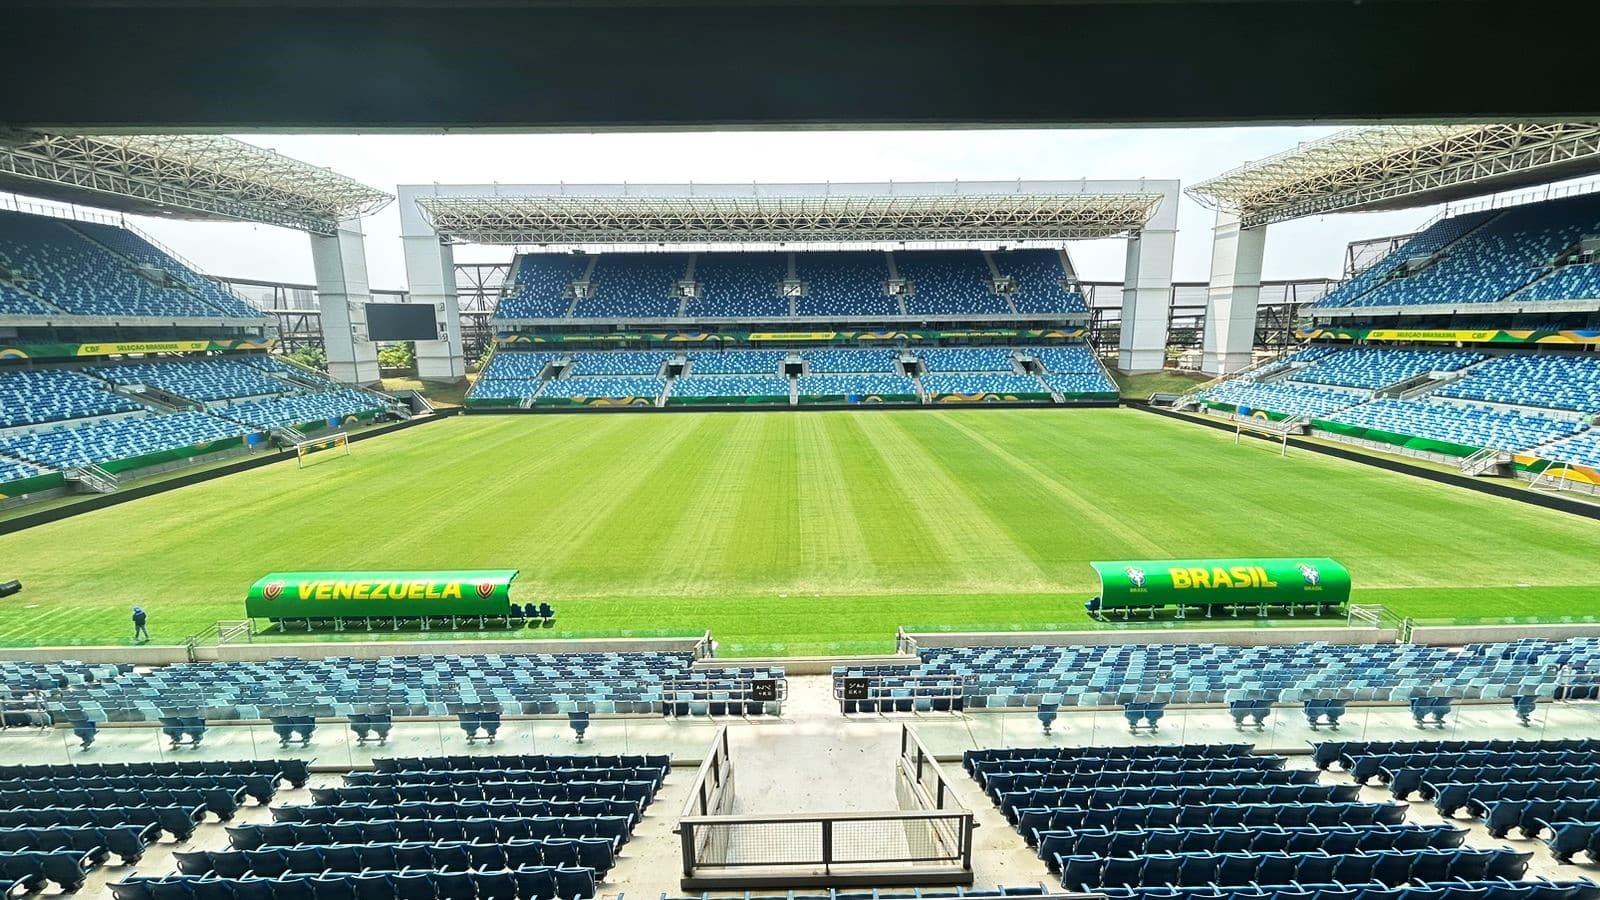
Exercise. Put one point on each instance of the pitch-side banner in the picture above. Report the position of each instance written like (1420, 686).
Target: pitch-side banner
(1201, 582)
(309, 595)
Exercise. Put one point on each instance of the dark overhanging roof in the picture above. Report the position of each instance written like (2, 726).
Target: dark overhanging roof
(429, 65)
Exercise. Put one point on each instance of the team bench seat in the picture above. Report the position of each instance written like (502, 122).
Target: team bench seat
(177, 820)
(261, 788)
(529, 883)
(640, 791)
(33, 868)
(530, 762)
(1476, 795)
(628, 810)
(598, 854)
(1392, 867)
(126, 841)
(1426, 780)
(294, 771)
(1137, 751)
(1326, 753)
(1530, 817)
(1498, 889)
(1032, 821)
(652, 775)
(224, 802)
(612, 829)
(984, 769)
(1177, 796)
(1336, 839)
(1000, 784)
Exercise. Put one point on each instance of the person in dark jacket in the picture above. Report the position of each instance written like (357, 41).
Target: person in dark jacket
(140, 633)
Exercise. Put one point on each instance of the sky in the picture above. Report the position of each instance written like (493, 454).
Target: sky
(1306, 248)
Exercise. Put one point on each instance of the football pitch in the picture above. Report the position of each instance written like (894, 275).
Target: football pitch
(794, 533)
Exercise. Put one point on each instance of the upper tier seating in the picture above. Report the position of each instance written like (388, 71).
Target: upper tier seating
(615, 387)
(1039, 282)
(1282, 397)
(274, 365)
(843, 360)
(539, 290)
(634, 286)
(105, 441)
(513, 684)
(143, 252)
(968, 383)
(31, 397)
(735, 362)
(1558, 381)
(199, 380)
(1373, 368)
(629, 362)
(1580, 281)
(697, 385)
(323, 406)
(739, 285)
(966, 359)
(55, 268)
(1582, 449)
(844, 284)
(855, 385)
(949, 282)
(1469, 426)
(1427, 242)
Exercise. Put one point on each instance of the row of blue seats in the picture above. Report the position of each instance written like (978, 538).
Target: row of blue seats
(1032, 820)
(984, 769)
(533, 762)
(128, 842)
(1110, 797)
(31, 869)
(598, 854)
(1363, 759)
(1239, 839)
(1568, 836)
(259, 787)
(1395, 867)
(531, 883)
(1430, 781)
(640, 791)
(656, 774)
(998, 784)
(1231, 752)
(1498, 889)
(221, 801)
(1386, 766)
(176, 820)
(1530, 817)
(391, 828)
(293, 771)
(459, 809)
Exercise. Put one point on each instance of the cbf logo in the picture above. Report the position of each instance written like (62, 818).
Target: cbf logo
(1135, 577)
(1310, 574)
(272, 590)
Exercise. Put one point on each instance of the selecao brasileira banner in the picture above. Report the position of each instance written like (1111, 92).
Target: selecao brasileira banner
(311, 595)
(1203, 582)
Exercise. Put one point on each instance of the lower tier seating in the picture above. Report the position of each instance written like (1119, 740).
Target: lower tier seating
(103, 440)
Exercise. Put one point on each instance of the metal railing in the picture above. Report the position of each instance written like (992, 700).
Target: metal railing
(927, 841)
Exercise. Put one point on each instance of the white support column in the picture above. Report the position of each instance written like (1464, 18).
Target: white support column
(1147, 289)
(340, 262)
(1233, 296)
(431, 279)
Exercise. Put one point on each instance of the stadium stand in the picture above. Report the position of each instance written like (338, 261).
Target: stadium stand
(950, 282)
(974, 383)
(105, 440)
(839, 361)
(1467, 425)
(1072, 369)
(736, 362)
(614, 387)
(1581, 449)
(697, 385)
(54, 395)
(513, 374)
(626, 362)
(531, 684)
(1421, 246)
(634, 286)
(1282, 397)
(52, 266)
(1373, 368)
(1543, 380)
(319, 407)
(1039, 275)
(539, 287)
(844, 284)
(199, 380)
(739, 285)
(966, 359)
(11, 470)
(864, 384)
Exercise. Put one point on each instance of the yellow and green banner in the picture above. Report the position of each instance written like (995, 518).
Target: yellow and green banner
(123, 348)
(1576, 336)
(1289, 581)
(318, 595)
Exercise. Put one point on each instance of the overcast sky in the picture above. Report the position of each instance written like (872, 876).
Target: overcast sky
(1307, 248)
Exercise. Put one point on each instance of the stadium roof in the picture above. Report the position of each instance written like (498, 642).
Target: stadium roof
(187, 176)
(976, 211)
(1402, 166)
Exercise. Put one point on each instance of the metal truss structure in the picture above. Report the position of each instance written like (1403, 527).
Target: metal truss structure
(201, 176)
(1401, 166)
(797, 213)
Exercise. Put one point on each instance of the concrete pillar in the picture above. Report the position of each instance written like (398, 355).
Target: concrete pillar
(340, 262)
(1233, 295)
(431, 279)
(1146, 301)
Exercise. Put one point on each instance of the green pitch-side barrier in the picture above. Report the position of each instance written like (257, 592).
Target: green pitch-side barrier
(1206, 583)
(355, 595)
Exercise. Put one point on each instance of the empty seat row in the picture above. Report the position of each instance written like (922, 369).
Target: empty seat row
(33, 868)
(261, 788)
(293, 771)
(1363, 767)
(613, 829)
(640, 791)
(178, 821)
(1032, 820)
(598, 854)
(1135, 751)
(1450, 797)
(1395, 867)
(1326, 753)
(223, 802)
(530, 883)
(530, 762)
(1532, 816)
(982, 770)
(1497, 889)
(1004, 783)
(1241, 839)
(1178, 796)
(451, 810)
(1425, 780)
(126, 841)
(654, 775)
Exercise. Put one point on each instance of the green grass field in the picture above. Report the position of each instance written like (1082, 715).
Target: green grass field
(794, 533)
